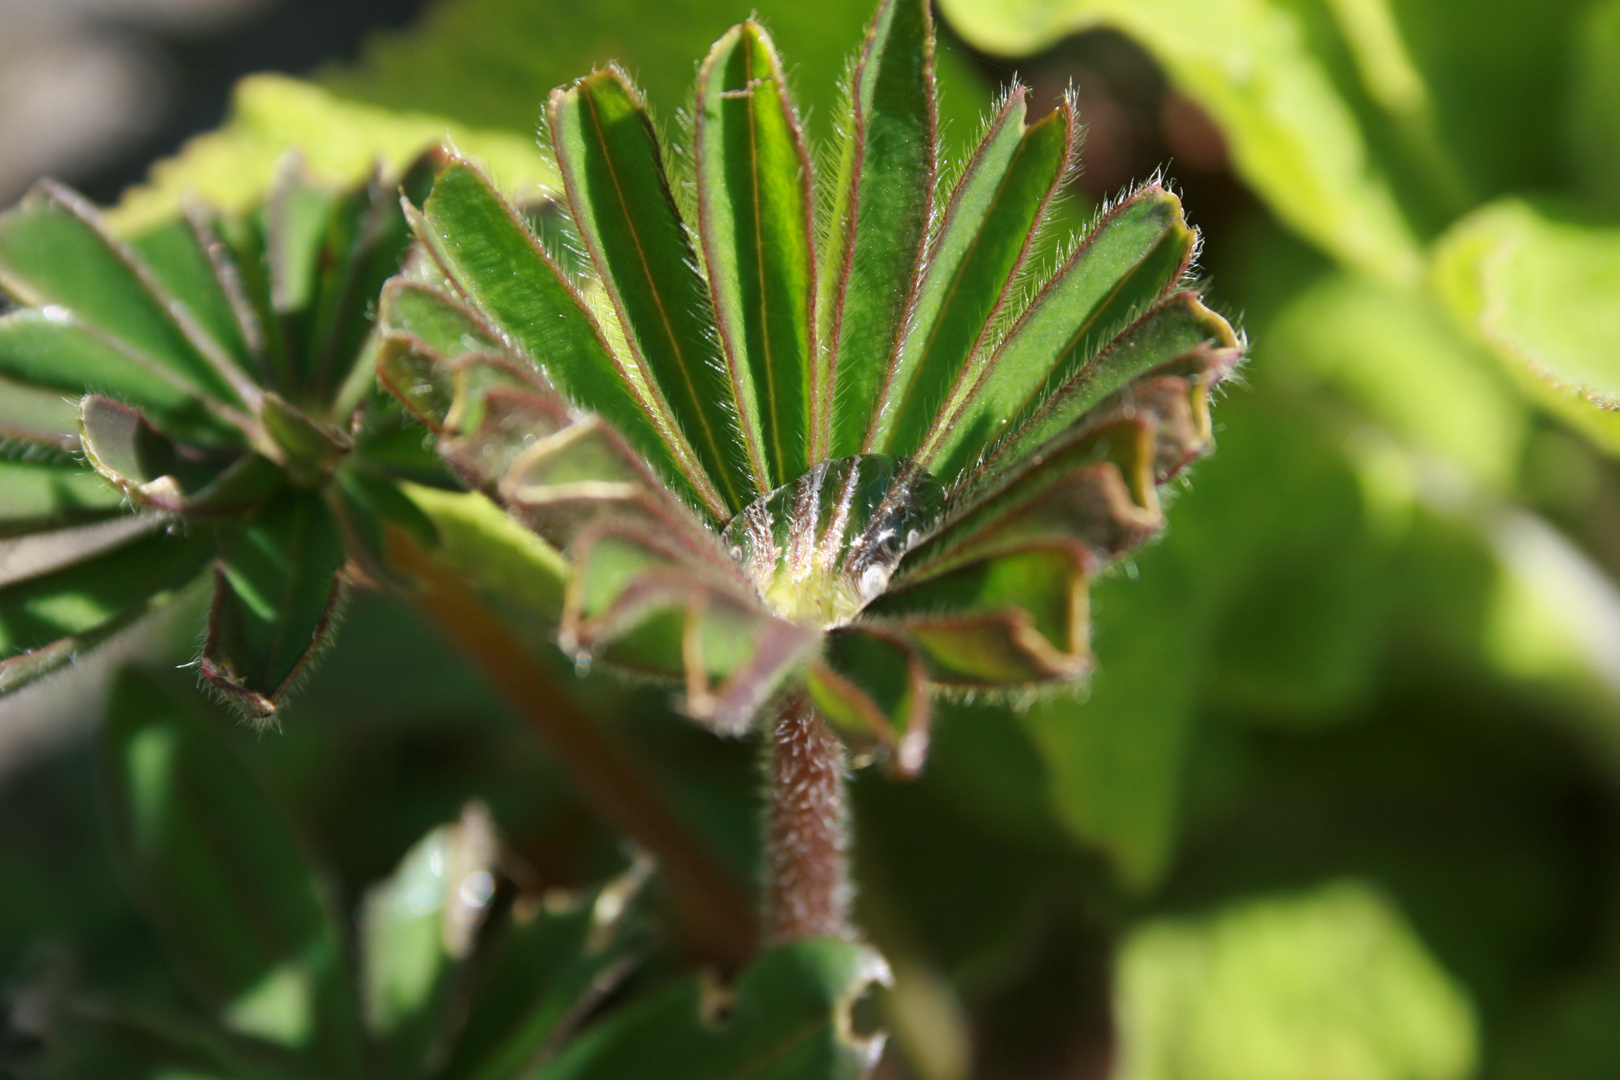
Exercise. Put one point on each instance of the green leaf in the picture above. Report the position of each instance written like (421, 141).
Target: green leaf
(222, 880)
(186, 257)
(275, 593)
(1594, 111)
(48, 620)
(613, 170)
(54, 349)
(45, 488)
(1181, 337)
(417, 927)
(1544, 295)
(882, 196)
(1273, 988)
(1010, 620)
(973, 262)
(127, 1041)
(483, 542)
(788, 1018)
(508, 276)
(543, 962)
(155, 472)
(309, 449)
(1130, 258)
(1249, 63)
(55, 254)
(436, 320)
(875, 690)
(1405, 361)
(339, 142)
(647, 601)
(755, 215)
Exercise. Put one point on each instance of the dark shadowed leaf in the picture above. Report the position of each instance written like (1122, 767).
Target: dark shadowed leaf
(883, 190)
(275, 593)
(49, 619)
(223, 881)
(756, 218)
(613, 170)
(44, 487)
(786, 1019)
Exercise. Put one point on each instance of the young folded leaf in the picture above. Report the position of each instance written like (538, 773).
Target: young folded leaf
(842, 461)
(222, 366)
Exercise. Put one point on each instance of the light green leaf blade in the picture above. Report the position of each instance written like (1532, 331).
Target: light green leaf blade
(506, 275)
(882, 196)
(338, 141)
(275, 593)
(1248, 62)
(1544, 295)
(55, 254)
(49, 619)
(1276, 988)
(756, 221)
(1130, 258)
(222, 880)
(972, 266)
(789, 1021)
(53, 349)
(613, 171)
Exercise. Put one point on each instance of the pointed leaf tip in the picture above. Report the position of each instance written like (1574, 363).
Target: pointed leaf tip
(613, 173)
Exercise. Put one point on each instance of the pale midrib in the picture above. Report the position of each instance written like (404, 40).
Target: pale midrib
(663, 313)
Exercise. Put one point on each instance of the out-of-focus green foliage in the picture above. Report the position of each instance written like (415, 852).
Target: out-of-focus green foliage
(1378, 641)
(1332, 985)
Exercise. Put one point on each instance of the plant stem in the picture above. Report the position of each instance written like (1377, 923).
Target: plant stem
(807, 889)
(712, 912)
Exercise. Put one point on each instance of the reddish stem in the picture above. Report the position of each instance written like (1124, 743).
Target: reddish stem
(807, 889)
(713, 913)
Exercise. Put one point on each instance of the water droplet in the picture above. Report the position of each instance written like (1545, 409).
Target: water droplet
(477, 888)
(582, 665)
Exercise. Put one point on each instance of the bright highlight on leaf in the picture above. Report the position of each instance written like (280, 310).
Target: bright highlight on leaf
(868, 452)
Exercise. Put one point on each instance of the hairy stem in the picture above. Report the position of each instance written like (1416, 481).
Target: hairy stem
(712, 911)
(807, 889)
